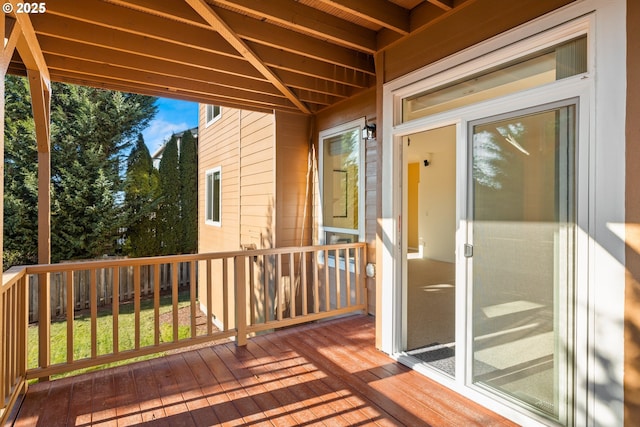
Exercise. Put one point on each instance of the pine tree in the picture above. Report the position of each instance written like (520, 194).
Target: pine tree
(169, 228)
(91, 129)
(21, 176)
(140, 200)
(188, 167)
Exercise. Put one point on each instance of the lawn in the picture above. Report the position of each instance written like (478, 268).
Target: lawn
(126, 322)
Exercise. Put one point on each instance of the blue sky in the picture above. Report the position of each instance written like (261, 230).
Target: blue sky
(173, 116)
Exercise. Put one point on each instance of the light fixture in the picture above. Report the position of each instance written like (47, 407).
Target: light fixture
(369, 132)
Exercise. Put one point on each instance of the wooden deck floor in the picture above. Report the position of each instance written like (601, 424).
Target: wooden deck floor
(320, 374)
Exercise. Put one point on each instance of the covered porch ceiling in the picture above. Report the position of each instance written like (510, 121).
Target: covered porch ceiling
(287, 55)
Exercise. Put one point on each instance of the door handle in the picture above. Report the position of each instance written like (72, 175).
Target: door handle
(468, 250)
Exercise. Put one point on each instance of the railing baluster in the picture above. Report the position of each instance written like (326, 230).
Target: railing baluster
(292, 279)
(174, 298)
(327, 296)
(44, 323)
(115, 309)
(279, 296)
(225, 294)
(241, 299)
(4, 381)
(265, 290)
(136, 305)
(347, 274)
(252, 290)
(192, 296)
(93, 303)
(209, 298)
(338, 280)
(303, 282)
(315, 266)
(24, 326)
(70, 314)
(356, 269)
(156, 303)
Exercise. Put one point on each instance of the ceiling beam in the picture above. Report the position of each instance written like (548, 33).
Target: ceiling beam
(178, 25)
(69, 49)
(29, 48)
(380, 12)
(203, 9)
(310, 21)
(445, 5)
(95, 35)
(10, 45)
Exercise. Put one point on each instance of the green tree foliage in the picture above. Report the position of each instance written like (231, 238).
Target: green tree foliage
(140, 200)
(169, 225)
(91, 129)
(21, 176)
(188, 167)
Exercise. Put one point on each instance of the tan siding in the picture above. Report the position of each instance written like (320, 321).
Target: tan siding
(257, 186)
(470, 24)
(292, 149)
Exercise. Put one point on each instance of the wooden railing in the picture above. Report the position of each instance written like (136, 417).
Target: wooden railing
(13, 333)
(231, 295)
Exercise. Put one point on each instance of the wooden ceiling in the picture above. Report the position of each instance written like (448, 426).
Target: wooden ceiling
(288, 55)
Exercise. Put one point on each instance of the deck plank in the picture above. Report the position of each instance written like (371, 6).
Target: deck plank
(327, 373)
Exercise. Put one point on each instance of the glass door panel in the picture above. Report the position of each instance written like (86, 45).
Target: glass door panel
(523, 226)
(429, 163)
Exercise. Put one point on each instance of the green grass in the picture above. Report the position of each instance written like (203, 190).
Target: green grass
(126, 341)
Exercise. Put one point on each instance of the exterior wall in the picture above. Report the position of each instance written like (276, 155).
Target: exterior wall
(257, 179)
(292, 149)
(632, 197)
(242, 144)
(363, 105)
(473, 23)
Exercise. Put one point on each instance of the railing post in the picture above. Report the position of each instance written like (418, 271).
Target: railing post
(44, 322)
(240, 299)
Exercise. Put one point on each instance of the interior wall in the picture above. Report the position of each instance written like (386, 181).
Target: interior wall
(413, 198)
(437, 207)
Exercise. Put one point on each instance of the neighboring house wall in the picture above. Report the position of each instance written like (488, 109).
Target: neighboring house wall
(263, 165)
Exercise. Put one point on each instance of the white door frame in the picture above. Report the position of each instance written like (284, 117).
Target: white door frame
(601, 255)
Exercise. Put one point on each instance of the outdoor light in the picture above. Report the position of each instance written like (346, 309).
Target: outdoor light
(369, 132)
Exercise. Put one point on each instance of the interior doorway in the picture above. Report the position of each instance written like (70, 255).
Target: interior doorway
(429, 167)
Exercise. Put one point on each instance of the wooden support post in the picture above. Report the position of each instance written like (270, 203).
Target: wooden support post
(241, 299)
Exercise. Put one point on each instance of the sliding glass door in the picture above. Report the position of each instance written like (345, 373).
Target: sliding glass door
(521, 251)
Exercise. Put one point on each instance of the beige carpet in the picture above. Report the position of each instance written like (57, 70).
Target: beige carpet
(431, 303)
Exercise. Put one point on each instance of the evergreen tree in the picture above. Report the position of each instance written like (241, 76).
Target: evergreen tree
(169, 226)
(141, 193)
(21, 176)
(188, 167)
(91, 130)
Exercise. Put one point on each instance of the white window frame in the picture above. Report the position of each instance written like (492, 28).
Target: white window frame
(207, 197)
(212, 114)
(328, 133)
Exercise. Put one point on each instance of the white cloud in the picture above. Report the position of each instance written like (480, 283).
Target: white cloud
(159, 131)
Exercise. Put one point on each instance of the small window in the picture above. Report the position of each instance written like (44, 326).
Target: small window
(212, 197)
(213, 113)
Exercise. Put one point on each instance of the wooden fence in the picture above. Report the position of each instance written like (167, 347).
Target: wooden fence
(104, 287)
